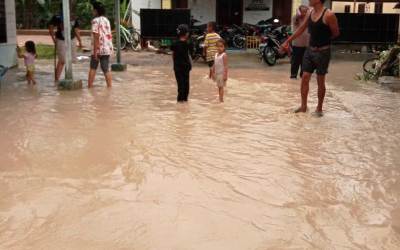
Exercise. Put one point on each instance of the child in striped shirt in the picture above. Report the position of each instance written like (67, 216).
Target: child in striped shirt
(210, 45)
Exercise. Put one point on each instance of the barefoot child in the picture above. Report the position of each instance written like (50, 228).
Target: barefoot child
(182, 63)
(220, 69)
(29, 60)
(210, 45)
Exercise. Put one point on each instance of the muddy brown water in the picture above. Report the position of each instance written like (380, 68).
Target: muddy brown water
(128, 168)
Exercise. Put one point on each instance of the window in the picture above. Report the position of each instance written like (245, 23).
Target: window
(3, 25)
(347, 9)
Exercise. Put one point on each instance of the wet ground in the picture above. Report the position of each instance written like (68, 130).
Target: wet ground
(128, 168)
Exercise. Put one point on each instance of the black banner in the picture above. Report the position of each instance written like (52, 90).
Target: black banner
(368, 28)
(159, 23)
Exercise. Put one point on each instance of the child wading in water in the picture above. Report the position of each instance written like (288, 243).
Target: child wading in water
(29, 60)
(182, 63)
(210, 45)
(220, 69)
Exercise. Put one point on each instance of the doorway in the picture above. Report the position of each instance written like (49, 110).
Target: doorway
(174, 4)
(180, 4)
(229, 12)
(282, 9)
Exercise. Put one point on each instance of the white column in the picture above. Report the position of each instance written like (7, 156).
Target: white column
(68, 42)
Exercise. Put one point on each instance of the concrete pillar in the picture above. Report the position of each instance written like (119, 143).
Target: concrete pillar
(118, 66)
(68, 83)
(68, 42)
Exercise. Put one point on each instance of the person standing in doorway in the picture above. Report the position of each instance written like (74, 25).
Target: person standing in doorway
(323, 26)
(58, 37)
(182, 63)
(300, 44)
(102, 46)
(210, 45)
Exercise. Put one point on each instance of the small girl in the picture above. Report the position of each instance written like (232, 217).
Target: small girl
(29, 60)
(220, 69)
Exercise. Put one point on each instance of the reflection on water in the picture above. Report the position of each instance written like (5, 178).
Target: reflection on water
(128, 168)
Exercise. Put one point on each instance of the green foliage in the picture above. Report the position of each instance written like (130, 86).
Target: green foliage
(45, 51)
(36, 13)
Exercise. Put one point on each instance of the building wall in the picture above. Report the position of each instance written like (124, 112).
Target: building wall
(253, 17)
(7, 51)
(338, 7)
(142, 4)
(203, 10)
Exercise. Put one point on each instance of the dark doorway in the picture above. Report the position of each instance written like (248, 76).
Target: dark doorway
(361, 8)
(282, 9)
(179, 4)
(378, 8)
(229, 12)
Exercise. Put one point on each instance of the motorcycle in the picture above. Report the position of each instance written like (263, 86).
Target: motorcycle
(198, 47)
(197, 29)
(267, 26)
(234, 36)
(270, 48)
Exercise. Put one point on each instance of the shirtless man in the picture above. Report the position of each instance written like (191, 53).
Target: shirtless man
(323, 26)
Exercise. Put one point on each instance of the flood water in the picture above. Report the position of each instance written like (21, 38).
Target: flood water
(128, 168)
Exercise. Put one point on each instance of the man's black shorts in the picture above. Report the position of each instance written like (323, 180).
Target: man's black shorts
(210, 64)
(317, 61)
(104, 63)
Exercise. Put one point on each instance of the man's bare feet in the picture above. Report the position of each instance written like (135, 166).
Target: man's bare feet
(300, 110)
(318, 114)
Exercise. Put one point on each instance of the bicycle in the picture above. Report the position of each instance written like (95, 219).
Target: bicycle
(371, 67)
(384, 64)
(129, 37)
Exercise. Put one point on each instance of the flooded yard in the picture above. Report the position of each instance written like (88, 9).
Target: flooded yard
(128, 168)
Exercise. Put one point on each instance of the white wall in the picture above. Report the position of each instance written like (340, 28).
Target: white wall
(7, 51)
(253, 17)
(203, 10)
(143, 4)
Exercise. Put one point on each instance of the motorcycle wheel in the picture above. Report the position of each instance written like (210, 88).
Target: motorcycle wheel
(239, 41)
(269, 56)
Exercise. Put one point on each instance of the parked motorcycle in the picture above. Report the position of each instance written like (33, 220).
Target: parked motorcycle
(198, 47)
(196, 28)
(234, 36)
(270, 48)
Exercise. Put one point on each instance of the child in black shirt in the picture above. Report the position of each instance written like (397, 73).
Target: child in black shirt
(182, 62)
